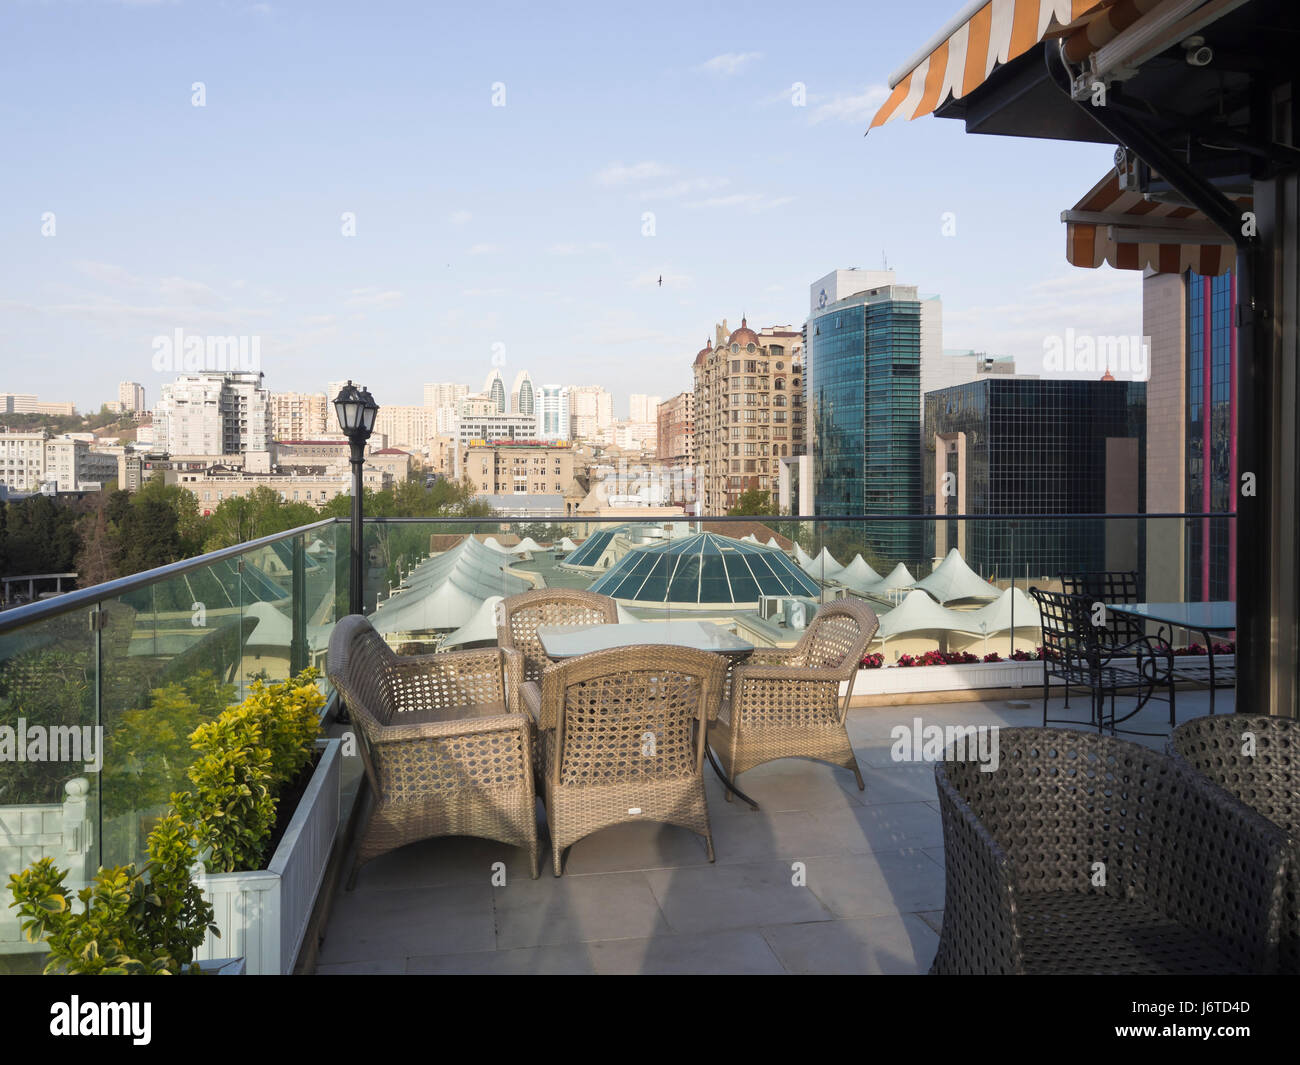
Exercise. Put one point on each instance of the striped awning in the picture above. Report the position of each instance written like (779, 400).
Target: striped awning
(1122, 228)
(990, 33)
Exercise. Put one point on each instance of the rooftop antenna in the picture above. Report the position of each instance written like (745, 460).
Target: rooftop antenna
(884, 260)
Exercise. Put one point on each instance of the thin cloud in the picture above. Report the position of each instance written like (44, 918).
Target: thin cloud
(459, 218)
(483, 248)
(372, 297)
(619, 174)
(855, 108)
(685, 187)
(729, 63)
(751, 201)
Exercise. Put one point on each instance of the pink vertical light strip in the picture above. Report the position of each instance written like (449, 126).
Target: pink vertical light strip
(1207, 352)
(1232, 437)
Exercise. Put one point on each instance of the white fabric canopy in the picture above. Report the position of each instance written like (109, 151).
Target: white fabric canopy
(823, 567)
(567, 545)
(918, 613)
(771, 542)
(858, 575)
(952, 579)
(996, 617)
(899, 577)
(492, 542)
(526, 544)
(444, 592)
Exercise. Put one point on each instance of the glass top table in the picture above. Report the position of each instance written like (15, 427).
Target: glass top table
(1205, 618)
(1199, 617)
(567, 641)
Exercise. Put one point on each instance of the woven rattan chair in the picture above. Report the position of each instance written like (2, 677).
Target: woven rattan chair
(622, 736)
(445, 744)
(787, 703)
(1256, 759)
(1082, 853)
(519, 616)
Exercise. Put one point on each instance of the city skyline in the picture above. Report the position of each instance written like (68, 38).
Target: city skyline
(454, 271)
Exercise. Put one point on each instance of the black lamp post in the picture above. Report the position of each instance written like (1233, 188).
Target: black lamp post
(356, 409)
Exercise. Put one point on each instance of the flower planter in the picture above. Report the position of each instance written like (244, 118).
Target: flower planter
(899, 679)
(263, 914)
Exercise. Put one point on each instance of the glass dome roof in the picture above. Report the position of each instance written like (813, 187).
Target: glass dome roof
(589, 551)
(704, 568)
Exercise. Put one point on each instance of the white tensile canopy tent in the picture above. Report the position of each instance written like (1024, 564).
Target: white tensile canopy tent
(898, 578)
(996, 617)
(445, 591)
(858, 575)
(567, 545)
(952, 580)
(527, 544)
(918, 613)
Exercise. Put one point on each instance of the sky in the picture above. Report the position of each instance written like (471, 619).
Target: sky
(497, 162)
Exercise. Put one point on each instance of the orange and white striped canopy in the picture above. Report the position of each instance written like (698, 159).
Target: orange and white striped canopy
(996, 32)
(1129, 232)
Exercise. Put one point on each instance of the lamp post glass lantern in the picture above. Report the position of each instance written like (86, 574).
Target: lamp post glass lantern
(356, 409)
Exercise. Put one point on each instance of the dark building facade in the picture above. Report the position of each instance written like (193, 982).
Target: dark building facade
(1211, 434)
(1034, 446)
(864, 376)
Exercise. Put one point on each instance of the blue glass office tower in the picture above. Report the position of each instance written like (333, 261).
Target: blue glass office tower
(864, 399)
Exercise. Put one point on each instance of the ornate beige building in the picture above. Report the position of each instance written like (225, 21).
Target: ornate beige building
(749, 412)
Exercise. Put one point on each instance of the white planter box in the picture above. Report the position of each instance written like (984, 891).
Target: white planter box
(263, 914)
(974, 675)
(896, 679)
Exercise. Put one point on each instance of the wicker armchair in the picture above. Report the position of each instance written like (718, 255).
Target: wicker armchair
(445, 744)
(519, 616)
(787, 704)
(1082, 853)
(1256, 759)
(622, 736)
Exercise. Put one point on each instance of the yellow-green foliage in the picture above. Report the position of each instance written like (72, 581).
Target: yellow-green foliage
(245, 757)
(132, 923)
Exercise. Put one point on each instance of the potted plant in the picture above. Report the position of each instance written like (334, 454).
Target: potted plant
(145, 922)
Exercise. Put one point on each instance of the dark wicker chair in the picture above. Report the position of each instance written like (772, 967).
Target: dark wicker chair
(1256, 759)
(1193, 882)
(446, 746)
(1087, 656)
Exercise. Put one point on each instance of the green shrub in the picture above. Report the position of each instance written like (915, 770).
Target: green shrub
(132, 923)
(245, 757)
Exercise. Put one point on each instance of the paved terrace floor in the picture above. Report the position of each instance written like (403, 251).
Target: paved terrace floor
(643, 898)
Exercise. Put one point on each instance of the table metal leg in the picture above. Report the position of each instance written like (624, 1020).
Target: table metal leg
(1209, 650)
(726, 783)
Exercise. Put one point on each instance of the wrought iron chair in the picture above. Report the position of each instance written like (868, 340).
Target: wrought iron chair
(1256, 759)
(787, 703)
(445, 744)
(1079, 651)
(622, 735)
(1082, 853)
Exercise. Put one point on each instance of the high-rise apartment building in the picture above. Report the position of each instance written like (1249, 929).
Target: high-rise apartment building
(1008, 445)
(1192, 432)
(437, 396)
(643, 408)
(214, 413)
(554, 417)
(495, 389)
(130, 396)
(591, 409)
(299, 415)
(749, 412)
(676, 431)
(523, 394)
(406, 426)
(864, 359)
